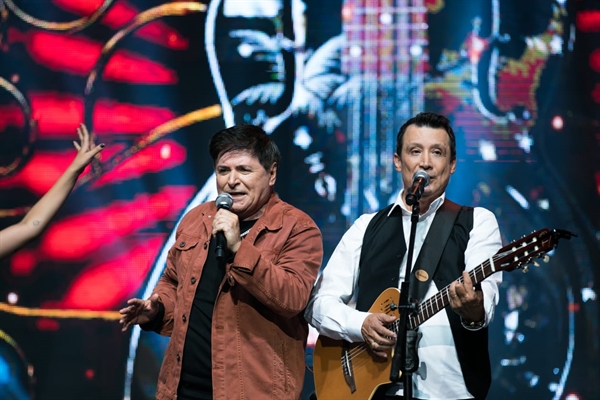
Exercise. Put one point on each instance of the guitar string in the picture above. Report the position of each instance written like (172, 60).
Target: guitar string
(438, 297)
(361, 348)
(473, 274)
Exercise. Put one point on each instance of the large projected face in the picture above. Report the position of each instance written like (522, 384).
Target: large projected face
(250, 46)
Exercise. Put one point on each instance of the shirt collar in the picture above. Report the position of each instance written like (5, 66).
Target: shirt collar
(435, 205)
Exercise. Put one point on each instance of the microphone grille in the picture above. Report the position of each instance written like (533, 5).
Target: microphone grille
(420, 174)
(224, 200)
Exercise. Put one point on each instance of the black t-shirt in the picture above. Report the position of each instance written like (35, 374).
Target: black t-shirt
(196, 368)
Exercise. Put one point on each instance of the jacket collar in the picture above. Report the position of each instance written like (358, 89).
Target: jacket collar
(272, 218)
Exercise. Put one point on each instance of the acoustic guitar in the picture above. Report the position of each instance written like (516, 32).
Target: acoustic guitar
(344, 370)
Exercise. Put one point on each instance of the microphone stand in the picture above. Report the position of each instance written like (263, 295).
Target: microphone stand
(405, 358)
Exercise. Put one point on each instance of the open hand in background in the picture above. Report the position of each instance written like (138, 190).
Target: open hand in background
(37, 219)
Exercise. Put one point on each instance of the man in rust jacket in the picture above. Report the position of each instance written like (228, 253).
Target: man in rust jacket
(236, 324)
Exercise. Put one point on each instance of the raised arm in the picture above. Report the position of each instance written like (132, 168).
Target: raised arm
(37, 219)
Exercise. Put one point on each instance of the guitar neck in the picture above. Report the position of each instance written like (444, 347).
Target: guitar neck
(441, 299)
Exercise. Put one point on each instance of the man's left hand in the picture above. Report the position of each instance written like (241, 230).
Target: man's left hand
(466, 301)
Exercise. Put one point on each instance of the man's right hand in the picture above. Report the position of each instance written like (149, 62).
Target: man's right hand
(379, 338)
(139, 311)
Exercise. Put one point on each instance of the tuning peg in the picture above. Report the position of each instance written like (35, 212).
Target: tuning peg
(546, 258)
(535, 263)
(525, 268)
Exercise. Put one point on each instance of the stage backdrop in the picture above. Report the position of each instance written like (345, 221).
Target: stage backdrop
(331, 81)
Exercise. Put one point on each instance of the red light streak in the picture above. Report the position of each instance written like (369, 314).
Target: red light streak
(47, 324)
(124, 66)
(22, 263)
(56, 114)
(121, 14)
(11, 115)
(595, 60)
(588, 21)
(148, 160)
(40, 173)
(160, 33)
(78, 56)
(104, 286)
(82, 8)
(59, 52)
(79, 236)
(113, 117)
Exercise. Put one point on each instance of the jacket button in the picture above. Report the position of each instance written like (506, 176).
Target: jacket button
(177, 357)
(394, 279)
(205, 246)
(193, 280)
(182, 244)
(399, 256)
(184, 318)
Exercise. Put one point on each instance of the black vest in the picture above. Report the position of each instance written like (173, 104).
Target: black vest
(383, 249)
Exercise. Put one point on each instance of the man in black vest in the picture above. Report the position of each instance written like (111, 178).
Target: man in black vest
(371, 257)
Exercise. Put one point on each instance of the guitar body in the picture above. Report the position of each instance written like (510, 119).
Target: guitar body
(367, 371)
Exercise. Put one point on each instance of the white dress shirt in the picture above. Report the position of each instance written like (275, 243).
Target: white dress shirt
(439, 375)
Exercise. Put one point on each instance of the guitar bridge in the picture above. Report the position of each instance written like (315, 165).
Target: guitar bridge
(347, 367)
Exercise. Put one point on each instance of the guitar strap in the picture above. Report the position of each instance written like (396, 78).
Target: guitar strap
(432, 249)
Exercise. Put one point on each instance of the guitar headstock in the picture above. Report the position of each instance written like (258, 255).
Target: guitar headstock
(520, 253)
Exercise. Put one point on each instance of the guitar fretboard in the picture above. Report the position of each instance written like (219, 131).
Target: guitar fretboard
(441, 299)
(508, 258)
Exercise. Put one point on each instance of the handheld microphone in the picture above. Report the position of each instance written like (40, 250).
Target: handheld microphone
(420, 181)
(224, 200)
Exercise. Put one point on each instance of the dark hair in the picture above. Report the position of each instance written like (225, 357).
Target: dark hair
(429, 120)
(245, 137)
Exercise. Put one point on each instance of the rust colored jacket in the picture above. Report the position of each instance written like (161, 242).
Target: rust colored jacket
(258, 330)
